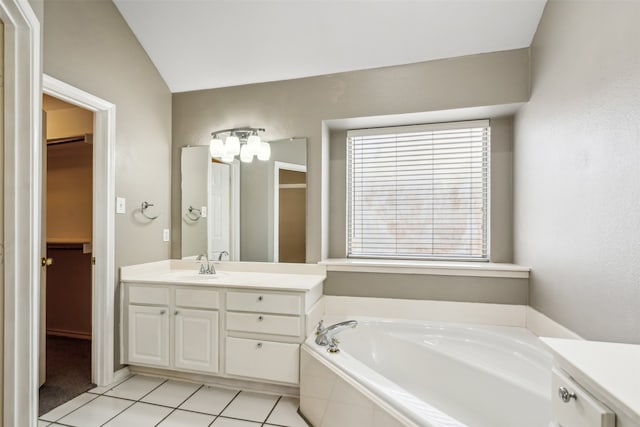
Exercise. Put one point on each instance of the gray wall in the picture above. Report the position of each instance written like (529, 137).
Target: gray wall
(494, 290)
(577, 169)
(300, 107)
(88, 45)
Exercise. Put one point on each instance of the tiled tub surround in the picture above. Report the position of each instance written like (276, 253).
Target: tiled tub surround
(143, 401)
(428, 374)
(240, 327)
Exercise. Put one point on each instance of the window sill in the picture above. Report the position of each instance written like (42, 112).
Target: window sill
(442, 268)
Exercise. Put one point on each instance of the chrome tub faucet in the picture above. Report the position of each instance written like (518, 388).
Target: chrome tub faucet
(326, 336)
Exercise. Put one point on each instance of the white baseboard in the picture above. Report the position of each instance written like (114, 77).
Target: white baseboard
(544, 326)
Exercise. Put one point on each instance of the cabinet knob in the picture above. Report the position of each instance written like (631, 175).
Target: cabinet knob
(163, 311)
(260, 318)
(175, 313)
(565, 395)
(259, 345)
(260, 298)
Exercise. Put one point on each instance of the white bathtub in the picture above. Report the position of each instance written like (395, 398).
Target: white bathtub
(430, 374)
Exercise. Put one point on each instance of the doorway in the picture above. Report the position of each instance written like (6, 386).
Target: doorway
(290, 212)
(66, 299)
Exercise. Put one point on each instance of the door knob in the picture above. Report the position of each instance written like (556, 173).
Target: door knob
(45, 262)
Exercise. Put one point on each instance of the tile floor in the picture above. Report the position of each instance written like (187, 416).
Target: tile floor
(141, 401)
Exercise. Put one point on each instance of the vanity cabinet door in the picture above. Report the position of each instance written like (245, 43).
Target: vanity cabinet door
(148, 335)
(196, 340)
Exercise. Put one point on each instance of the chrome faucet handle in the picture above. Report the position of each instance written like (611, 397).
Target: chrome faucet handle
(320, 327)
(333, 346)
(212, 269)
(202, 269)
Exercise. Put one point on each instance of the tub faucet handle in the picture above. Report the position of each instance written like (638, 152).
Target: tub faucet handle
(320, 328)
(333, 346)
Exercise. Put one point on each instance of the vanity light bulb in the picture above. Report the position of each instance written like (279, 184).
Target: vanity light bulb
(265, 151)
(216, 147)
(246, 154)
(254, 143)
(232, 144)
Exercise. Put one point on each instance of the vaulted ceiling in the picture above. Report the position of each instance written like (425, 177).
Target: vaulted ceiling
(203, 44)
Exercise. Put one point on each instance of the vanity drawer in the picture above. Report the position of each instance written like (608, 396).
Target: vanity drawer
(152, 295)
(197, 298)
(264, 302)
(264, 324)
(271, 361)
(578, 408)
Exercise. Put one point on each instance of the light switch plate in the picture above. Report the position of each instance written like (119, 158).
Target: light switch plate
(120, 205)
(203, 212)
(165, 235)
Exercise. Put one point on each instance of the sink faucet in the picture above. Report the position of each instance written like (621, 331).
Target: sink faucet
(222, 254)
(327, 335)
(205, 266)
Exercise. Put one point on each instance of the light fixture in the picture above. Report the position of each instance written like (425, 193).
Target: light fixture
(244, 142)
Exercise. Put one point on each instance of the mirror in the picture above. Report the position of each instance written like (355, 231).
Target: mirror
(255, 211)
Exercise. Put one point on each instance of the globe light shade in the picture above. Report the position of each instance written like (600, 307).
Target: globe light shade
(254, 143)
(216, 147)
(265, 151)
(227, 155)
(232, 144)
(246, 154)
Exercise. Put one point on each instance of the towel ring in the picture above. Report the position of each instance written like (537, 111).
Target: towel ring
(194, 214)
(143, 207)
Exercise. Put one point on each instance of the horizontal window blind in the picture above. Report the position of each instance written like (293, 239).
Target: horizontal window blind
(419, 191)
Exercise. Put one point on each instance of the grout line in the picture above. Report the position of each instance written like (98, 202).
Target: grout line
(134, 402)
(271, 411)
(226, 406)
(56, 421)
(182, 403)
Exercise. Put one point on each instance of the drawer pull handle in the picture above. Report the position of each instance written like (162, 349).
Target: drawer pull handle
(259, 345)
(162, 312)
(260, 298)
(566, 395)
(260, 318)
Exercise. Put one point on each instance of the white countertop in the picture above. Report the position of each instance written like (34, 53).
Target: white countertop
(612, 368)
(229, 274)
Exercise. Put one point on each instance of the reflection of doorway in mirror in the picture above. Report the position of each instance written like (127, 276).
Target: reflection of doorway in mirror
(219, 226)
(290, 212)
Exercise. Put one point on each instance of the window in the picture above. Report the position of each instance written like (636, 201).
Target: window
(419, 192)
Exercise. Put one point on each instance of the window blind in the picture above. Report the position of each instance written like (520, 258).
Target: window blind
(419, 191)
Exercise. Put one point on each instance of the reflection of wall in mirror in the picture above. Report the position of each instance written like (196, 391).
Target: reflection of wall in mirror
(195, 164)
(257, 195)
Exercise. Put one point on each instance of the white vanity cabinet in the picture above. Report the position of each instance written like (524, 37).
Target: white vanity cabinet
(237, 326)
(264, 331)
(171, 327)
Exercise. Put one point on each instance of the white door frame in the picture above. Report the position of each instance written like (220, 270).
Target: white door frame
(276, 201)
(103, 271)
(22, 205)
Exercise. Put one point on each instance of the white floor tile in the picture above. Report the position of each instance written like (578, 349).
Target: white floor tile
(228, 422)
(43, 423)
(140, 414)
(103, 389)
(135, 387)
(251, 406)
(187, 419)
(56, 413)
(97, 412)
(210, 400)
(286, 413)
(171, 393)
